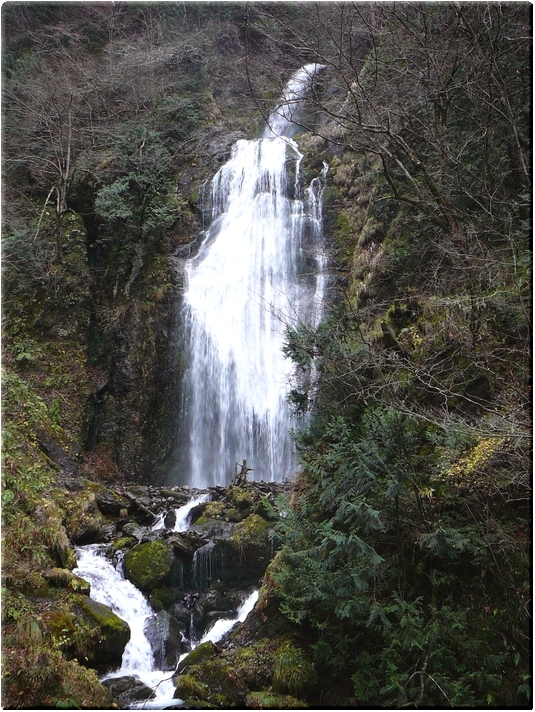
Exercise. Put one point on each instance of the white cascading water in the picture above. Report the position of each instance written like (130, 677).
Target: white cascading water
(222, 626)
(253, 276)
(109, 586)
(182, 514)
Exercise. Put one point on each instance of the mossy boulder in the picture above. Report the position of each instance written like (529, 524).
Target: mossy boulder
(202, 653)
(108, 634)
(219, 676)
(83, 520)
(163, 597)
(234, 515)
(148, 566)
(63, 578)
(270, 701)
(241, 497)
(256, 663)
(123, 542)
(213, 510)
(110, 502)
(187, 687)
(250, 539)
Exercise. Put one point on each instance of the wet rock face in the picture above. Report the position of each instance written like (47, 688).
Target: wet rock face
(128, 689)
(165, 636)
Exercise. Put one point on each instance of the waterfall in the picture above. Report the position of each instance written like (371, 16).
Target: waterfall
(252, 276)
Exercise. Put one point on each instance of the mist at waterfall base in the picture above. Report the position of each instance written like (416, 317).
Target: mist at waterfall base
(109, 586)
(259, 269)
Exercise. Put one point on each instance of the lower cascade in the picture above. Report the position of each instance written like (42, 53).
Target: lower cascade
(139, 671)
(259, 269)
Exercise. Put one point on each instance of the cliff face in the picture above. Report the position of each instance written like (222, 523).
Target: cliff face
(102, 202)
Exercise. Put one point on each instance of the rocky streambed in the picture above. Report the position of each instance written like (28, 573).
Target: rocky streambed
(196, 556)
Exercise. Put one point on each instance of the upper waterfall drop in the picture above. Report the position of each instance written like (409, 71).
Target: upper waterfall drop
(256, 272)
(285, 117)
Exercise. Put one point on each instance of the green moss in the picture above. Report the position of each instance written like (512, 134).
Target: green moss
(148, 566)
(234, 515)
(202, 653)
(64, 578)
(294, 674)
(213, 510)
(162, 597)
(220, 677)
(187, 686)
(255, 663)
(251, 532)
(113, 632)
(123, 542)
(242, 497)
(270, 701)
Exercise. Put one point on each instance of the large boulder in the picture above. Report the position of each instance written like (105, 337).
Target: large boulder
(149, 565)
(212, 605)
(164, 635)
(109, 502)
(107, 647)
(128, 689)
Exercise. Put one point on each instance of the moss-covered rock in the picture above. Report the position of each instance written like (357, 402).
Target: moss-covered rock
(123, 542)
(64, 578)
(110, 502)
(83, 520)
(148, 566)
(220, 678)
(250, 534)
(256, 663)
(242, 497)
(202, 653)
(213, 510)
(107, 646)
(163, 597)
(187, 686)
(270, 701)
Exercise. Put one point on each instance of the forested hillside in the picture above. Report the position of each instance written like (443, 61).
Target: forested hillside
(403, 579)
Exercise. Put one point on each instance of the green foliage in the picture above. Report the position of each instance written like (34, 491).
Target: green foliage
(390, 578)
(293, 672)
(141, 200)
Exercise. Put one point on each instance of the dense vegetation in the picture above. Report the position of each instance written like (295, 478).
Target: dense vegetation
(406, 548)
(406, 564)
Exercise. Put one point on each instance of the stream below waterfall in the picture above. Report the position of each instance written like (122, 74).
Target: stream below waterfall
(110, 587)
